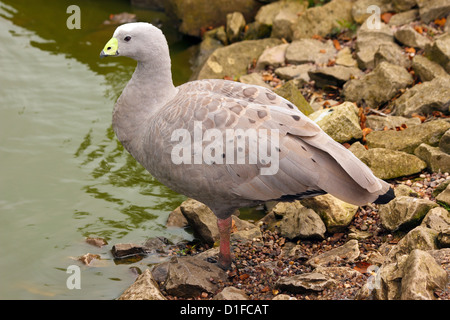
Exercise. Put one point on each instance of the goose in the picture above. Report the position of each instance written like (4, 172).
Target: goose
(227, 144)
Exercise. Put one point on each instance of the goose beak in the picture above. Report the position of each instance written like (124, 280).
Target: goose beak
(110, 49)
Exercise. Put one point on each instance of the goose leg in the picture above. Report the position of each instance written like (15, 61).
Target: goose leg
(224, 226)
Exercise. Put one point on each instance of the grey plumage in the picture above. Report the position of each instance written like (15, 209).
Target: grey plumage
(150, 109)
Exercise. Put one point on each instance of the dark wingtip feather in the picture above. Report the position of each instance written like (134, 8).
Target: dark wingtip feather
(385, 198)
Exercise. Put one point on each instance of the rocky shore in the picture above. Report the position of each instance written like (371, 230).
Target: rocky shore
(377, 83)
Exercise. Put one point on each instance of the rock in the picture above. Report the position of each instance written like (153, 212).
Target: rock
(422, 277)
(443, 238)
(255, 31)
(235, 26)
(444, 196)
(159, 271)
(88, 258)
(304, 224)
(234, 59)
(198, 15)
(157, 5)
(231, 293)
(274, 56)
(392, 53)
(282, 209)
(403, 190)
(424, 98)
(98, 242)
(210, 43)
(389, 164)
(409, 139)
(335, 213)
(322, 20)
(157, 244)
(437, 219)
(282, 24)
(390, 122)
(290, 92)
(144, 288)
(201, 219)
(267, 14)
(432, 10)
(254, 78)
(310, 51)
(188, 277)
(403, 5)
(340, 122)
(408, 36)
(344, 58)
(333, 76)
(439, 51)
(378, 86)
(404, 213)
(347, 252)
(426, 69)
(295, 72)
(359, 9)
(436, 159)
(369, 40)
(283, 297)
(127, 250)
(405, 17)
(176, 219)
(444, 143)
(304, 282)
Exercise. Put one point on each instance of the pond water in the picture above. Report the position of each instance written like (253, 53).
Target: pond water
(63, 174)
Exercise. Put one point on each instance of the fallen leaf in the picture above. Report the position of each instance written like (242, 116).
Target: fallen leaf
(317, 37)
(386, 16)
(346, 145)
(410, 50)
(323, 51)
(421, 117)
(361, 266)
(265, 289)
(275, 292)
(440, 22)
(244, 276)
(337, 45)
(419, 29)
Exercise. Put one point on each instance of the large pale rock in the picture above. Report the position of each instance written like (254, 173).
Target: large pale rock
(295, 72)
(410, 37)
(345, 253)
(268, 13)
(444, 196)
(323, 19)
(235, 26)
(392, 53)
(335, 213)
(303, 223)
(409, 139)
(304, 282)
(432, 10)
(333, 76)
(233, 60)
(439, 51)
(144, 288)
(404, 212)
(290, 92)
(378, 86)
(437, 219)
(377, 123)
(188, 277)
(274, 56)
(444, 143)
(436, 159)
(405, 17)
(426, 69)
(310, 50)
(344, 58)
(340, 122)
(231, 293)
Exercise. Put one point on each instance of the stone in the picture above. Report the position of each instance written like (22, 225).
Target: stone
(444, 143)
(290, 92)
(340, 122)
(295, 72)
(378, 86)
(409, 139)
(403, 5)
(284, 297)
(426, 69)
(144, 288)
(389, 164)
(444, 196)
(378, 123)
(392, 53)
(231, 293)
(404, 213)
(156, 245)
(88, 258)
(335, 213)
(344, 58)
(443, 238)
(235, 26)
(422, 277)
(322, 20)
(304, 282)
(333, 76)
(267, 13)
(255, 31)
(282, 24)
(233, 60)
(405, 17)
(432, 10)
(188, 277)
(424, 98)
(274, 56)
(345, 253)
(310, 51)
(408, 36)
(176, 219)
(303, 224)
(127, 250)
(359, 9)
(437, 219)
(403, 190)
(198, 15)
(439, 51)
(436, 159)
(254, 78)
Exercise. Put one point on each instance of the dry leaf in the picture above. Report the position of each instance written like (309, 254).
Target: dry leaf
(337, 45)
(244, 276)
(419, 29)
(440, 22)
(386, 17)
(361, 266)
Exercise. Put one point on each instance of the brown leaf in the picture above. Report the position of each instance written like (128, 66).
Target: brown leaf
(410, 50)
(440, 22)
(419, 29)
(323, 51)
(244, 276)
(337, 45)
(421, 117)
(386, 16)
(361, 266)
(265, 289)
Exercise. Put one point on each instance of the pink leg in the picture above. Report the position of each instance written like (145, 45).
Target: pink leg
(224, 226)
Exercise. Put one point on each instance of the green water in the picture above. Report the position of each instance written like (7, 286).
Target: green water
(63, 175)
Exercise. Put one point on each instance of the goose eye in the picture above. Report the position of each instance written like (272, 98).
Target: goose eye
(127, 38)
